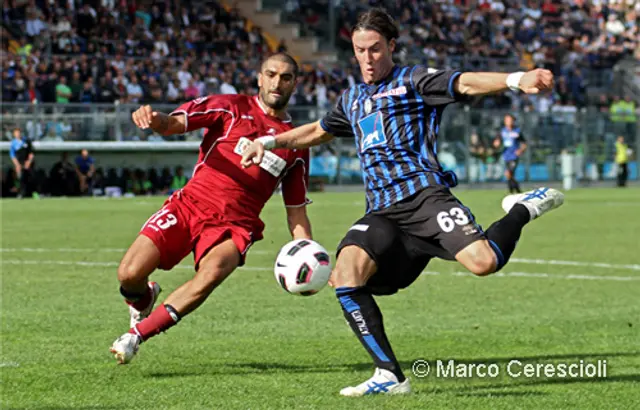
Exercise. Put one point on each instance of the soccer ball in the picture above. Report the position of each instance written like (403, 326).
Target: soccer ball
(303, 267)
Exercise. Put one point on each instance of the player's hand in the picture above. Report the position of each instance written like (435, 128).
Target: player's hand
(144, 117)
(253, 154)
(535, 81)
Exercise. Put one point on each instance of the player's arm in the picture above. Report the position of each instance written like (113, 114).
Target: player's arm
(161, 123)
(335, 123)
(299, 224)
(523, 145)
(531, 82)
(294, 195)
(304, 136)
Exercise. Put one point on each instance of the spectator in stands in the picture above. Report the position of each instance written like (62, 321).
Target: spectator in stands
(179, 180)
(62, 177)
(63, 92)
(85, 168)
(164, 182)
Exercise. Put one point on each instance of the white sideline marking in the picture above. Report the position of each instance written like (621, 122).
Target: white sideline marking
(574, 263)
(9, 364)
(66, 250)
(543, 275)
(264, 252)
(427, 272)
(102, 264)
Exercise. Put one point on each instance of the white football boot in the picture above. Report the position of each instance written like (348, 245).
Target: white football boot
(382, 382)
(538, 202)
(138, 315)
(125, 347)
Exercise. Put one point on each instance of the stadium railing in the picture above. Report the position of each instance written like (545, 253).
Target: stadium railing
(107, 130)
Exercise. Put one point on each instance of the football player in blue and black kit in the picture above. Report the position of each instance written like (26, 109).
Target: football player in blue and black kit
(513, 146)
(411, 216)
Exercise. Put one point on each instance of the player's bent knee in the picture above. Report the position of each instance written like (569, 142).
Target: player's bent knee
(482, 265)
(130, 273)
(482, 268)
(479, 258)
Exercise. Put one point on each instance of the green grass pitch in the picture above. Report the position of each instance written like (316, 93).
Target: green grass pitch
(571, 293)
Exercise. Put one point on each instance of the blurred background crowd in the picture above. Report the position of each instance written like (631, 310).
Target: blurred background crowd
(85, 52)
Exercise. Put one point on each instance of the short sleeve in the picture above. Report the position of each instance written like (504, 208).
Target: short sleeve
(435, 86)
(204, 112)
(296, 180)
(336, 122)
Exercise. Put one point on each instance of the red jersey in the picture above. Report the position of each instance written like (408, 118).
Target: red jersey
(219, 180)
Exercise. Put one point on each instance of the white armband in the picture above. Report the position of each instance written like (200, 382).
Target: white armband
(268, 142)
(513, 80)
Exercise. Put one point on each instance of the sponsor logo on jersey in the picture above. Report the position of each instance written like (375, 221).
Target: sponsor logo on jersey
(372, 128)
(394, 91)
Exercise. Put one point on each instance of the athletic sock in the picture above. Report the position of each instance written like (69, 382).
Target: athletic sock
(516, 186)
(162, 318)
(365, 319)
(139, 301)
(503, 234)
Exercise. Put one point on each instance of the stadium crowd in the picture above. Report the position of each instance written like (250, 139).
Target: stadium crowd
(171, 51)
(156, 52)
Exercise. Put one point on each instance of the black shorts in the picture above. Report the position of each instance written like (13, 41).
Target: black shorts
(404, 237)
(398, 263)
(511, 166)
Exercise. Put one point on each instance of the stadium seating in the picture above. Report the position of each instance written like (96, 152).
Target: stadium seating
(88, 67)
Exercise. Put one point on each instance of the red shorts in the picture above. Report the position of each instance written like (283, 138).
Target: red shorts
(180, 227)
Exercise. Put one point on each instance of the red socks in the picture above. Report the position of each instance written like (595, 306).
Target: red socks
(158, 321)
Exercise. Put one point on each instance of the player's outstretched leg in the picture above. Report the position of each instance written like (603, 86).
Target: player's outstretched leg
(486, 257)
(353, 268)
(213, 269)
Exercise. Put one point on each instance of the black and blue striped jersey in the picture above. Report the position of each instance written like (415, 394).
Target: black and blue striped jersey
(395, 124)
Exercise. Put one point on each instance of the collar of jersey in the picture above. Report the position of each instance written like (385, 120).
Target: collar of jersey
(392, 74)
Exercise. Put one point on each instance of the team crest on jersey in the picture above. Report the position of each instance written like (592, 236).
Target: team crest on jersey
(372, 128)
(368, 105)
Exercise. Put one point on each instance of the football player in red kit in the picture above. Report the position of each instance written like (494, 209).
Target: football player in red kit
(216, 215)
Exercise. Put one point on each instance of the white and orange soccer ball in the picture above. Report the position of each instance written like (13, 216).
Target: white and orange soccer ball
(303, 267)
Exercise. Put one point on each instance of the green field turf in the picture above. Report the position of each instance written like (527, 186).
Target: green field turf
(572, 293)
